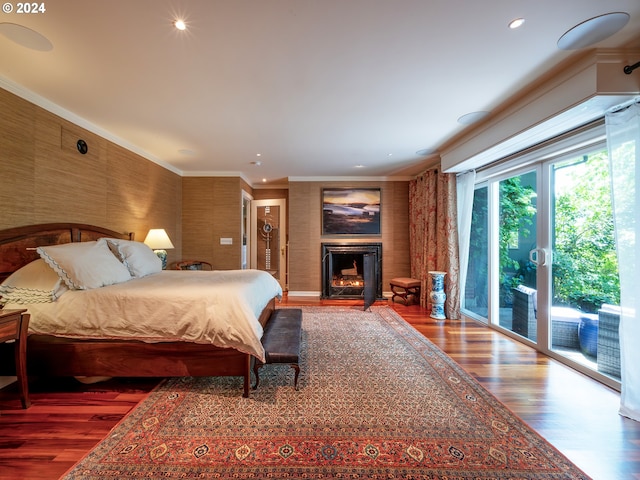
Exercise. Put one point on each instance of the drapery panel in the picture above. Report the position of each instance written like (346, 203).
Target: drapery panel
(465, 187)
(433, 236)
(623, 142)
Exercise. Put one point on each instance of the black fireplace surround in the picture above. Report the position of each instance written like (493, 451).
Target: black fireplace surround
(352, 270)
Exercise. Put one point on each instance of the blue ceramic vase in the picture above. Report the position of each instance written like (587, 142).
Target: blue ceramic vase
(437, 295)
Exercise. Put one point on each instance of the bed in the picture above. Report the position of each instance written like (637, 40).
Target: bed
(97, 349)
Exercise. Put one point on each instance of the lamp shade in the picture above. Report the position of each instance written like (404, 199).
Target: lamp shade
(157, 239)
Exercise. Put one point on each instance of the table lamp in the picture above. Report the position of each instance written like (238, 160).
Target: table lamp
(158, 240)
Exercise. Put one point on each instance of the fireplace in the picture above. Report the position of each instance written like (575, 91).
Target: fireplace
(352, 270)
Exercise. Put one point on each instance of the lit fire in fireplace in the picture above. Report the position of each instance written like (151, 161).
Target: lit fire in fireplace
(347, 281)
(348, 277)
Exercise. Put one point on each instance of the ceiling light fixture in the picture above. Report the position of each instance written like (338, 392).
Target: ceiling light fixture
(593, 31)
(25, 37)
(516, 23)
(426, 151)
(180, 25)
(473, 117)
(256, 163)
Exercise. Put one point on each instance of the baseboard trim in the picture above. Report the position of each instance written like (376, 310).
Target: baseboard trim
(293, 293)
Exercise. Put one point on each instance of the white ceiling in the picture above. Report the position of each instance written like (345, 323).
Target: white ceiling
(315, 86)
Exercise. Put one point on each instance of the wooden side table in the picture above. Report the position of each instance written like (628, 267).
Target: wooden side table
(14, 325)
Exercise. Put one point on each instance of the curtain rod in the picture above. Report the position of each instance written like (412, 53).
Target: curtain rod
(630, 68)
(434, 167)
(623, 106)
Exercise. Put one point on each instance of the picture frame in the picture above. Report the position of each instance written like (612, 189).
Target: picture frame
(351, 211)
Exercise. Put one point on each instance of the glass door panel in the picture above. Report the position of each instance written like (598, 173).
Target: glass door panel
(517, 275)
(585, 270)
(476, 294)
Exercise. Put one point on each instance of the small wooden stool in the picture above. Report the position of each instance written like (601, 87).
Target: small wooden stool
(403, 287)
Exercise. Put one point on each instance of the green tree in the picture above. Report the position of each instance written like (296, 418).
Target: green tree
(585, 267)
(517, 211)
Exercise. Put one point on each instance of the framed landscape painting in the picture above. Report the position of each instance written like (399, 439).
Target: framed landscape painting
(351, 211)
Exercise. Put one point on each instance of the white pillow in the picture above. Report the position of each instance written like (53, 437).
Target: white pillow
(36, 282)
(136, 256)
(85, 265)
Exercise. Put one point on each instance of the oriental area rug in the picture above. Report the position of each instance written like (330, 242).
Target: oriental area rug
(376, 400)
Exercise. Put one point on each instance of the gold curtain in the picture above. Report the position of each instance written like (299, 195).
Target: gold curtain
(433, 236)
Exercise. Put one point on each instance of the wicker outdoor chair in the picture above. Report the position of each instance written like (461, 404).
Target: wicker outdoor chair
(564, 327)
(524, 312)
(609, 340)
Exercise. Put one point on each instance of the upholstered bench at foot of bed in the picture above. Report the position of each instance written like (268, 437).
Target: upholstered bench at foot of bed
(281, 341)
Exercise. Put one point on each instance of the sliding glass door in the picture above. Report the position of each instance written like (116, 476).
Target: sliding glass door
(585, 270)
(501, 278)
(517, 209)
(542, 259)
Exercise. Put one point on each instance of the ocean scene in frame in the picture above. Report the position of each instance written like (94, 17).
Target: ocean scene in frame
(351, 211)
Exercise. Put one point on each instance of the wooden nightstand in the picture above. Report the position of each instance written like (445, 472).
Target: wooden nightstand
(13, 326)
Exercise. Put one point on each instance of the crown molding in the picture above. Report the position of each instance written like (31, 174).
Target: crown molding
(351, 179)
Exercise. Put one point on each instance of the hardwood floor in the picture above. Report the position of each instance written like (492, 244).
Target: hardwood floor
(574, 413)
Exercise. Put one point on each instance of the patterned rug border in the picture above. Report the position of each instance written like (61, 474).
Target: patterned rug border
(457, 379)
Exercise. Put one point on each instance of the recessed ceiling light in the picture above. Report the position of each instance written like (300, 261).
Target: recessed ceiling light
(25, 37)
(593, 31)
(180, 25)
(518, 22)
(256, 163)
(258, 154)
(473, 117)
(264, 180)
(359, 166)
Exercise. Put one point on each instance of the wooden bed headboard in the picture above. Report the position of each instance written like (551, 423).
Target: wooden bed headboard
(17, 245)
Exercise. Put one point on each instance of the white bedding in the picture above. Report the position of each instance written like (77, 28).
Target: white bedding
(219, 307)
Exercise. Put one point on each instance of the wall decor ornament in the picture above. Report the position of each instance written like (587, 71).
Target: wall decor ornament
(351, 211)
(437, 295)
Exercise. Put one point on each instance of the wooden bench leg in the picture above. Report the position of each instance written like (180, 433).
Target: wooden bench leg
(401, 292)
(404, 293)
(296, 367)
(256, 367)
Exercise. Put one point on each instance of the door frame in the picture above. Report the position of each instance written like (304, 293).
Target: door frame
(282, 254)
(245, 238)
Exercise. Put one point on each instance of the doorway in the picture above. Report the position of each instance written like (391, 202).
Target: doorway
(269, 239)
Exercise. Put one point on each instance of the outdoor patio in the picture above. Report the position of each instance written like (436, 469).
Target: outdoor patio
(590, 339)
